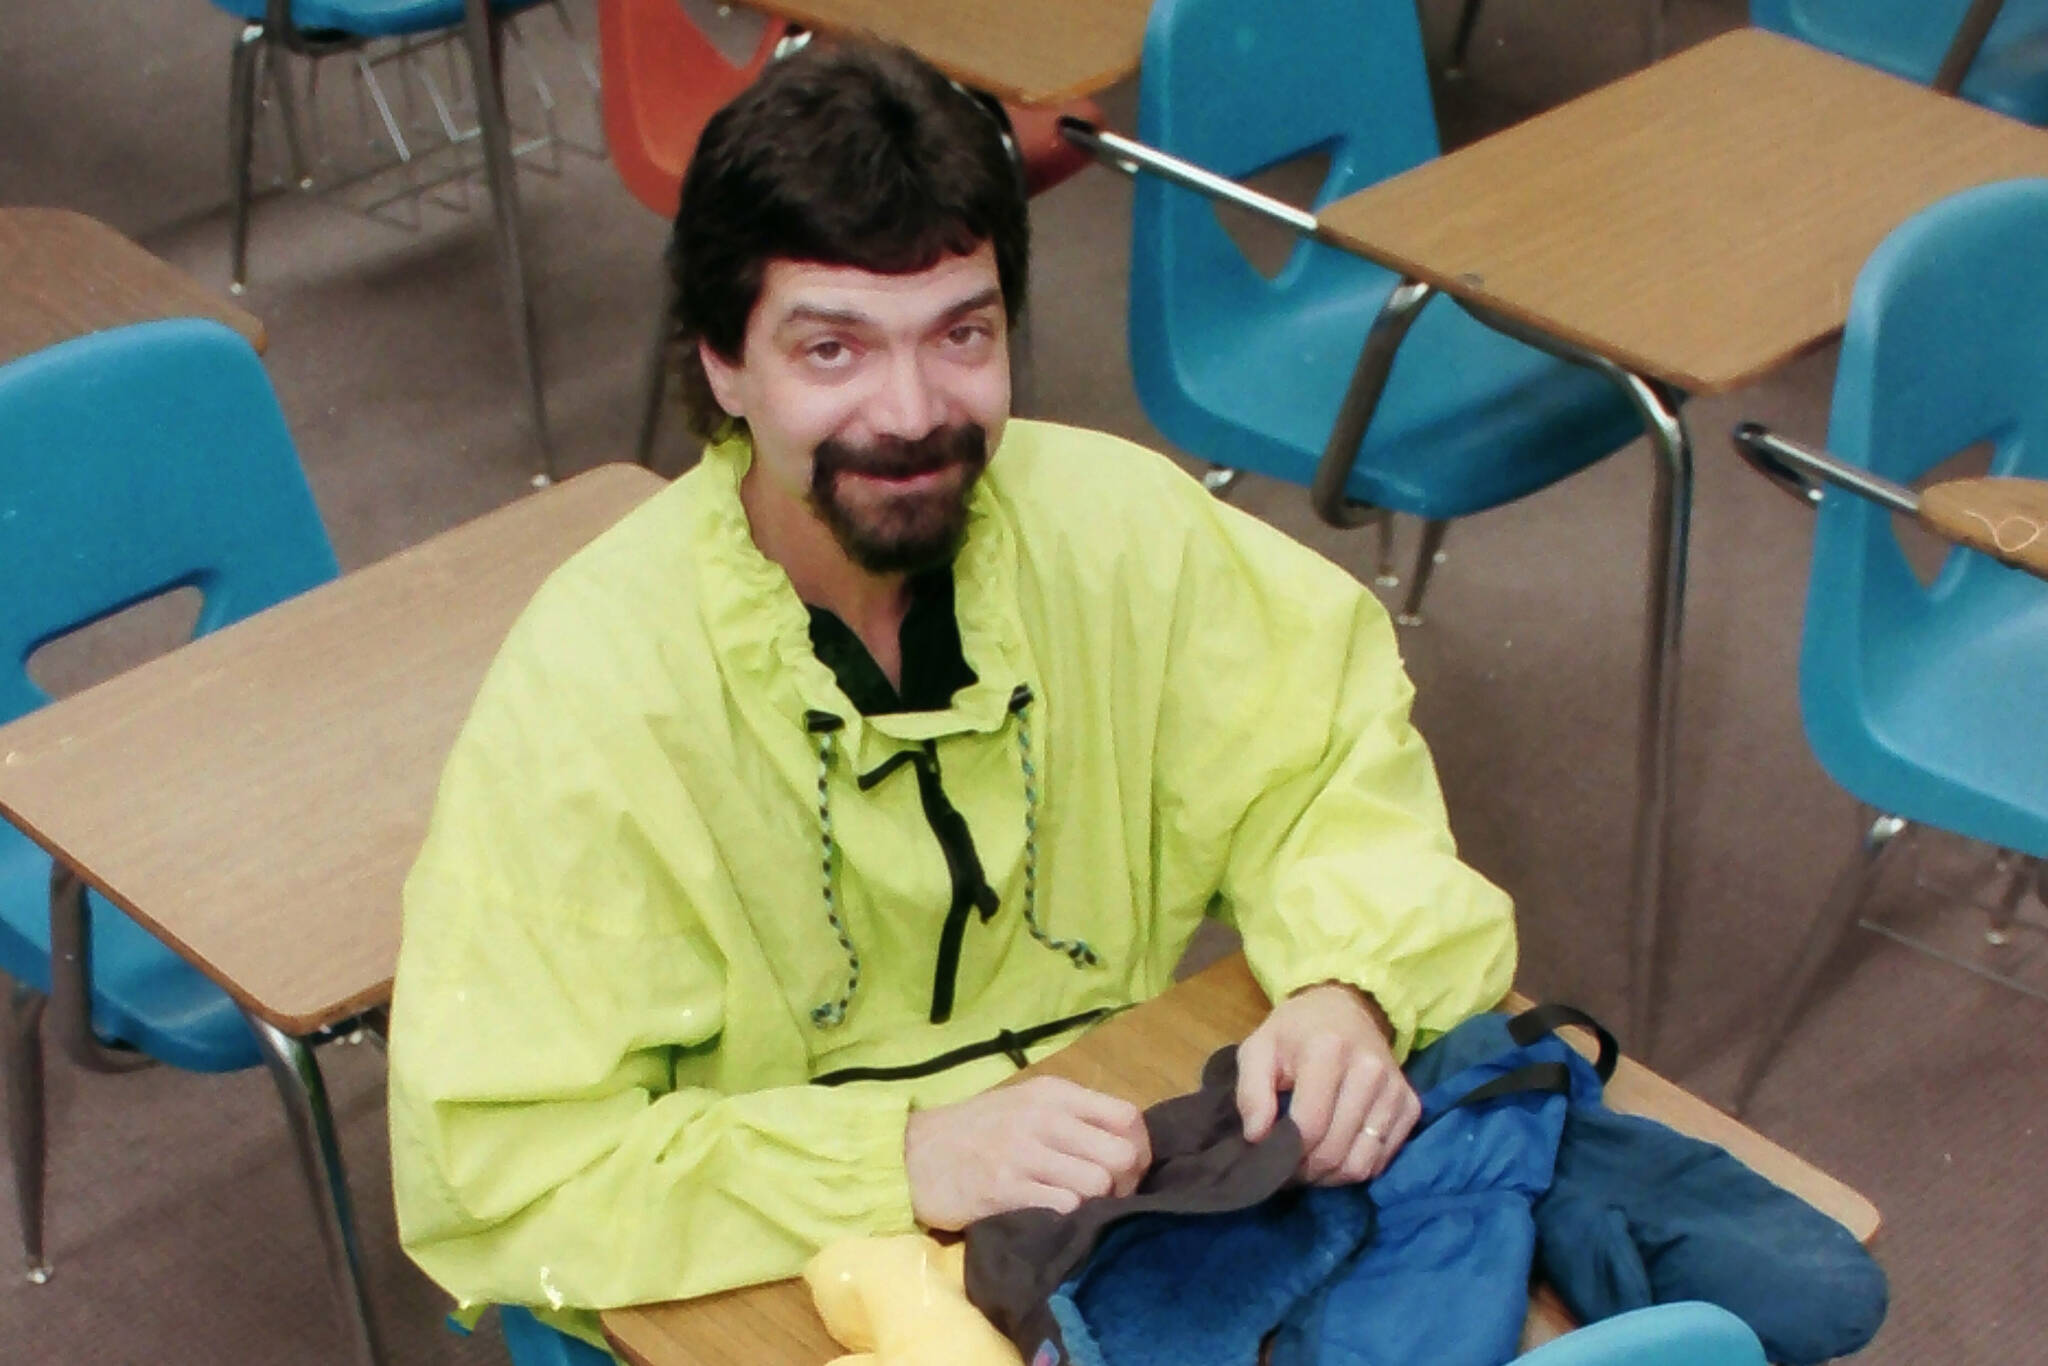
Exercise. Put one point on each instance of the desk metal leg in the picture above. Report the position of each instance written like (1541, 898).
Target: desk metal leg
(1326, 490)
(1664, 609)
(1657, 736)
(297, 1074)
(480, 36)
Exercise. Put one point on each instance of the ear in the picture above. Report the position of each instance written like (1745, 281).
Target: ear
(724, 378)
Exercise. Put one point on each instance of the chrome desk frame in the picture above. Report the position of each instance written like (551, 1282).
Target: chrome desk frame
(1670, 521)
(289, 1059)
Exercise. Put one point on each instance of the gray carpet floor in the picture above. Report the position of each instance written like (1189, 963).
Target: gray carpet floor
(177, 1222)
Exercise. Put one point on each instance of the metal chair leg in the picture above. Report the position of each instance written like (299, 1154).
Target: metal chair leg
(655, 386)
(1837, 914)
(1426, 556)
(1220, 481)
(482, 36)
(280, 76)
(2020, 873)
(71, 982)
(241, 148)
(1384, 575)
(21, 1053)
(297, 1075)
(1468, 19)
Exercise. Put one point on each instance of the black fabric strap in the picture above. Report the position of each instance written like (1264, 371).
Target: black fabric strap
(1554, 1078)
(1533, 1023)
(1008, 1042)
(971, 892)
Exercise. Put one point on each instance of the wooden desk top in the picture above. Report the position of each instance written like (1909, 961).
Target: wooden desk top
(1700, 221)
(256, 797)
(63, 275)
(1037, 52)
(1147, 1055)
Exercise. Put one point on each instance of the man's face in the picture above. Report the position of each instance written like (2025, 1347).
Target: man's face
(874, 399)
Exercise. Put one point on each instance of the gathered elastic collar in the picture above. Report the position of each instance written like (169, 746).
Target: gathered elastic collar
(763, 628)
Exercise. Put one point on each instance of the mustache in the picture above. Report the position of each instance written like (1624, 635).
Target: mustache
(897, 458)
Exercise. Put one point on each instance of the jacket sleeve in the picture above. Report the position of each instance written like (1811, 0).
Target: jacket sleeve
(1293, 780)
(550, 974)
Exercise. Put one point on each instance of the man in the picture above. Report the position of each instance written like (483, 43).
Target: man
(894, 740)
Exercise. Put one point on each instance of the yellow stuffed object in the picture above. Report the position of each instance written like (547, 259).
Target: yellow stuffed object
(901, 1301)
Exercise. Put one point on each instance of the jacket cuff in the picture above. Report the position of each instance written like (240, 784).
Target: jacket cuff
(875, 1179)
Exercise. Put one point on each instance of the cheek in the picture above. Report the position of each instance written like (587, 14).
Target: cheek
(804, 414)
(982, 393)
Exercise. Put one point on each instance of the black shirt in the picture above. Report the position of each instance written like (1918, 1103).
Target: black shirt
(934, 667)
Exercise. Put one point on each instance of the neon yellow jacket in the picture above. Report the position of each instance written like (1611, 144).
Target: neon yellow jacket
(620, 967)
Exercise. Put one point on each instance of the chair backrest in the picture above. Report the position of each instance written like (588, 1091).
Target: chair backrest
(138, 461)
(663, 79)
(1905, 37)
(1945, 348)
(1239, 89)
(1687, 1333)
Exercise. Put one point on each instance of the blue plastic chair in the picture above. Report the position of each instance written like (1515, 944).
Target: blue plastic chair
(533, 1343)
(1909, 38)
(1926, 701)
(132, 462)
(1249, 372)
(1687, 1334)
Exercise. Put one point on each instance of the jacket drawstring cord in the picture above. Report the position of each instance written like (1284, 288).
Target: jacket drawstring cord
(831, 1014)
(1077, 950)
(824, 725)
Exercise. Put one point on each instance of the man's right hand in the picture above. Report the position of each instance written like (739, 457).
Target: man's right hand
(1043, 1142)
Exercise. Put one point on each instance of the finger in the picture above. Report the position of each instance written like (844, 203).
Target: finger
(1356, 1094)
(1317, 1081)
(1084, 1179)
(1105, 1112)
(1366, 1159)
(1115, 1153)
(1037, 1195)
(1258, 1085)
(1394, 1115)
(1127, 1182)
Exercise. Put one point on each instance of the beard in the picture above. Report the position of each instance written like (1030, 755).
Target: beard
(889, 530)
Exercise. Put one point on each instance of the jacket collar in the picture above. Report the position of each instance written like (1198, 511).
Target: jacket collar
(762, 628)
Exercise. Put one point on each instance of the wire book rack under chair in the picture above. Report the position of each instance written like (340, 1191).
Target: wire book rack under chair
(423, 125)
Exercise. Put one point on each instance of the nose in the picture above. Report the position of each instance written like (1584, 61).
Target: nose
(904, 404)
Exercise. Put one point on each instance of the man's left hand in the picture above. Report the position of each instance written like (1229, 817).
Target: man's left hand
(1327, 1045)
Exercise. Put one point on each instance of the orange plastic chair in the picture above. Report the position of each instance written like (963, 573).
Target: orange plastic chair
(663, 79)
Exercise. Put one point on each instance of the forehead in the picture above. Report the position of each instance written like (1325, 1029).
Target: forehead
(797, 291)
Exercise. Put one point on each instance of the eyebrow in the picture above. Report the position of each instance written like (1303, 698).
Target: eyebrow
(848, 317)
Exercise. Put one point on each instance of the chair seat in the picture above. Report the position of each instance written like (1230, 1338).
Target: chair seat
(144, 995)
(372, 18)
(1956, 722)
(1269, 387)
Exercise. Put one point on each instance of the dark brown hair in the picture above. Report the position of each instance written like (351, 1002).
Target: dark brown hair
(854, 154)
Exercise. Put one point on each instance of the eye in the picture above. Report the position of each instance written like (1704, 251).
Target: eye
(829, 352)
(967, 334)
